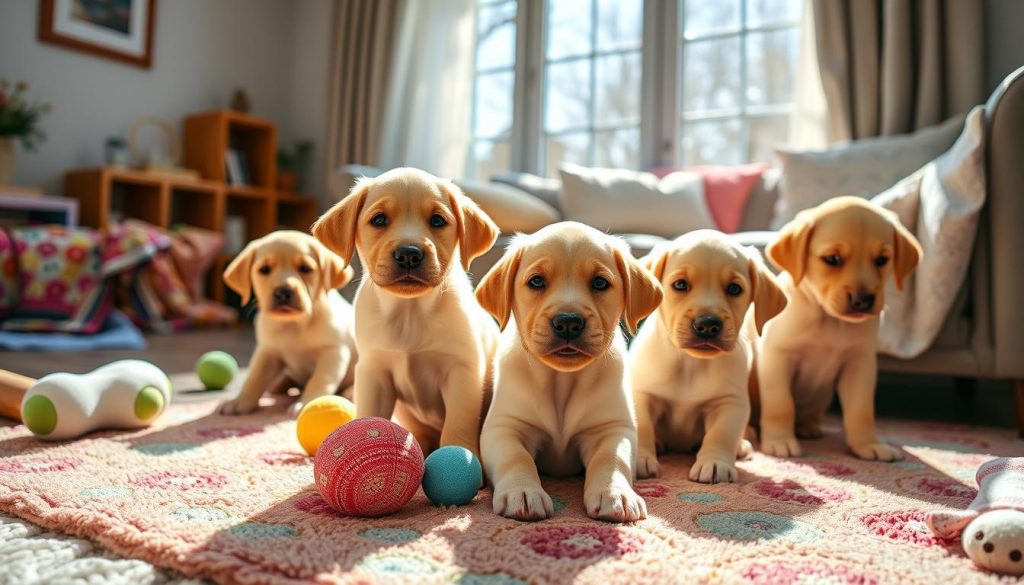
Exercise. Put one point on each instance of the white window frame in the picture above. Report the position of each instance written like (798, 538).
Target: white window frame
(661, 112)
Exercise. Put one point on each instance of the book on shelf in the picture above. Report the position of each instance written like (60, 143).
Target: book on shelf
(237, 167)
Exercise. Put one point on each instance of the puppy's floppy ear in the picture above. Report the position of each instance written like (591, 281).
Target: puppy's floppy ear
(238, 274)
(335, 272)
(789, 250)
(477, 232)
(907, 252)
(496, 289)
(769, 299)
(655, 261)
(337, 228)
(642, 290)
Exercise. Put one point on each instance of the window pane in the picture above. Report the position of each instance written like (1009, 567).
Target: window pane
(489, 158)
(618, 89)
(569, 28)
(619, 24)
(572, 148)
(707, 16)
(713, 142)
(711, 75)
(567, 95)
(762, 12)
(765, 134)
(493, 104)
(617, 149)
(496, 35)
(771, 66)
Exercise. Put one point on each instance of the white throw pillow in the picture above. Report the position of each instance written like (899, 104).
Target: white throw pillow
(514, 210)
(862, 168)
(621, 201)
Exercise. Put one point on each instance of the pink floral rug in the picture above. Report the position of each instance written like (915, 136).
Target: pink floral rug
(231, 498)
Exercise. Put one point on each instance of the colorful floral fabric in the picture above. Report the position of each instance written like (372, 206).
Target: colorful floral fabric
(232, 499)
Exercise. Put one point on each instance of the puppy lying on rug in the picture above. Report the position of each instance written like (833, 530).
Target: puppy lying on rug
(692, 359)
(304, 327)
(561, 398)
(837, 258)
(425, 345)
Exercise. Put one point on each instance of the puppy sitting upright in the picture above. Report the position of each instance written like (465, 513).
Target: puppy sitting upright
(425, 345)
(561, 396)
(304, 327)
(692, 359)
(836, 258)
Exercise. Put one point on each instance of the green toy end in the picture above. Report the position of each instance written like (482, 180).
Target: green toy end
(148, 403)
(39, 415)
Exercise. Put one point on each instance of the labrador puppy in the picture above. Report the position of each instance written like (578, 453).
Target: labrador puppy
(304, 326)
(692, 359)
(837, 258)
(425, 345)
(561, 398)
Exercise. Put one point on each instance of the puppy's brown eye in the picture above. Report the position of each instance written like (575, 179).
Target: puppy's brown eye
(881, 261)
(833, 260)
(264, 270)
(1015, 556)
(681, 285)
(305, 269)
(599, 283)
(537, 282)
(379, 220)
(733, 290)
(437, 221)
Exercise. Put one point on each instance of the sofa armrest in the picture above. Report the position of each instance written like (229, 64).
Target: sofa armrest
(345, 176)
(1004, 219)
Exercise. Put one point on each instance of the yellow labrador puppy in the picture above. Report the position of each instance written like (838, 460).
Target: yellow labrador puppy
(304, 327)
(692, 359)
(561, 398)
(425, 345)
(836, 259)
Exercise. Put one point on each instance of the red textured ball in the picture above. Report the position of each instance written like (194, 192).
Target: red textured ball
(368, 467)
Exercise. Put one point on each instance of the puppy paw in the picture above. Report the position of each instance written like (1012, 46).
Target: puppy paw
(616, 504)
(781, 447)
(647, 466)
(809, 431)
(237, 406)
(877, 452)
(713, 470)
(744, 450)
(523, 503)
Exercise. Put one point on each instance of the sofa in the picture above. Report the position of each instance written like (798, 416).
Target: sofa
(983, 335)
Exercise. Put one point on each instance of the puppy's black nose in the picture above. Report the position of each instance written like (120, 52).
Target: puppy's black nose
(861, 302)
(408, 256)
(568, 325)
(283, 295)
(707, 326)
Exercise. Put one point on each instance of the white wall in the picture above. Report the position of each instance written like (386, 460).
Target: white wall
(203, 49)
(1005, 22)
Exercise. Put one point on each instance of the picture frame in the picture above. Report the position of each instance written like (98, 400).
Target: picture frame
(121, 30)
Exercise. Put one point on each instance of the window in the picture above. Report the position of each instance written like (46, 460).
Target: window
(631, 84)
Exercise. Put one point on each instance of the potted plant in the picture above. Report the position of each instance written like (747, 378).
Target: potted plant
(19, 120)
(292, 164)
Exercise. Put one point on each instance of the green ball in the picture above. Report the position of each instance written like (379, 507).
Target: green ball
(452, 476)
(216, 369)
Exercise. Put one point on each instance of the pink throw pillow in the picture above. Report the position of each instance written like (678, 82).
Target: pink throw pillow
(726, 190)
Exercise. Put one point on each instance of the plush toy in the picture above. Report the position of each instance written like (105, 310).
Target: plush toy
(127, 394)
(991, 529)
(452, 475)
(216, 369)
(319, 418)
(368, 467)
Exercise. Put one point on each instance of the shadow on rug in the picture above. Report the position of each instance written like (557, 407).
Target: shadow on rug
(232, 499)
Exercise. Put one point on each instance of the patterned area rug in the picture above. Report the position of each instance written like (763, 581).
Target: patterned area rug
(231, 498)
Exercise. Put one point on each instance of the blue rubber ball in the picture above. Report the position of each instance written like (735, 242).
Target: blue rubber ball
(452, 475)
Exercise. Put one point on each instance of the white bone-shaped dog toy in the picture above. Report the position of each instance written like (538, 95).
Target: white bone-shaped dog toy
(126, 394)
(991, 529)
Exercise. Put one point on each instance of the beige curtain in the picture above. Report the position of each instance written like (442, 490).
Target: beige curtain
(364, 40)
(893, 66)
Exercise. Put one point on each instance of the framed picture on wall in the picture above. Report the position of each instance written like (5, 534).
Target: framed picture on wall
(115, 29)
